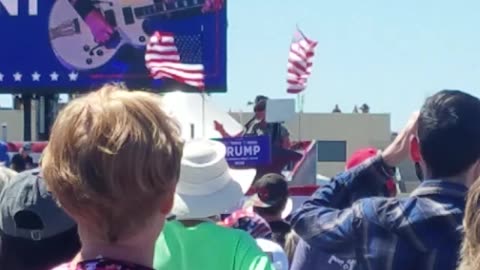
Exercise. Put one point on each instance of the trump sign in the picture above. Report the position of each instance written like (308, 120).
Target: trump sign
(248, 151)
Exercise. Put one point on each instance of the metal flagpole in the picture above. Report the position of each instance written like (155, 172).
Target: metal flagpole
(203, 115)
(300, 112)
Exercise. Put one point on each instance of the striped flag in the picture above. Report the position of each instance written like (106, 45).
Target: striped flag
(300, 61)
(176, 57)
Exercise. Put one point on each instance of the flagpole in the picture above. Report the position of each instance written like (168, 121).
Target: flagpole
(203, 115)
(300, 112)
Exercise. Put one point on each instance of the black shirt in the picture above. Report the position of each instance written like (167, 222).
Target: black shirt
(280, 229)
(20, 164)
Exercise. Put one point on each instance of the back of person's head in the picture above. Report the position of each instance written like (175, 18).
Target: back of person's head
(35, 232)
(271, 196)
(6, 175)
(449, 133)
(470, 252)
(113, 162)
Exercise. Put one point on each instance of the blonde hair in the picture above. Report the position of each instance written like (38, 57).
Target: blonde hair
(291, 243)
(470, 252)
(112, 158)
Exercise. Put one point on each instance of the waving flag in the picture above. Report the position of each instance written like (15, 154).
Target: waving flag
(176, 57)
(300, 61)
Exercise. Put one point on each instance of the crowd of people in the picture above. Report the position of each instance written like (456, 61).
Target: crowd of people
(117, 188)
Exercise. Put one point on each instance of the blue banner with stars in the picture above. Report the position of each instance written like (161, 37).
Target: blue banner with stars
(63, 46)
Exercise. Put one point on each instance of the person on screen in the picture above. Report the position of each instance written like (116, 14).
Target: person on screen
(103, 30)
(257, 126)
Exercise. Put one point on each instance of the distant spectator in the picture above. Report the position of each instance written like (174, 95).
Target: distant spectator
(206, 189)
(272, 202)
(424, 230)
(22, 160)
(35, 233)
(112, 162)
(250, 222)
(4, 158)
(6, 175)
(336, 109)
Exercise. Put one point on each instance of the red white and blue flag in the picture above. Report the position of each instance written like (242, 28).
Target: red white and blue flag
(176, 57)
(300, 61)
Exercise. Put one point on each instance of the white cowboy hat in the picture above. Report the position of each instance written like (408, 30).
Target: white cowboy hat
(207, 186)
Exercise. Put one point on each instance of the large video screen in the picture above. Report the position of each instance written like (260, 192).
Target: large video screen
(52, 46)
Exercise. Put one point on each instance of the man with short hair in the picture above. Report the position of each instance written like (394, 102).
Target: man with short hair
(423, 231)
(272, 202)
(22, 160)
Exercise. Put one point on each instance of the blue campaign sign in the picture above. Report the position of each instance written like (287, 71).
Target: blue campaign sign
(248, 151)
(51, 46)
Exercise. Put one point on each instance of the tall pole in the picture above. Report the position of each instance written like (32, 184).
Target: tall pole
(203, 115)
(300, 102)
(27, 117)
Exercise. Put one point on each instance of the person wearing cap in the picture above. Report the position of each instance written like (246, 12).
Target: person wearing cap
(311, 256)
(113, 162)
(36, 234)
(272, 202)
(22, 160)
(257, 126)
(207, 188)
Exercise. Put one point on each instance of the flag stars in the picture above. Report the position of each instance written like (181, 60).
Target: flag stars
(73, 76)
(1, 77)
(54, 76)
(17, 76)
(36, 76)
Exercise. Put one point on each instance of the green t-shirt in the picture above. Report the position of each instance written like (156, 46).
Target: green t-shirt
(207, 246)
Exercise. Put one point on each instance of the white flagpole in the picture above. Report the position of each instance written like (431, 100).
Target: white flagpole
(300, 112)
(203, 115)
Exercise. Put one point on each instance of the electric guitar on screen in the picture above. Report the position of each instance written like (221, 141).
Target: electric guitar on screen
(74, 44)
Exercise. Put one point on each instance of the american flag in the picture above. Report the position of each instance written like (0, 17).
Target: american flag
(178, 57)
(300, 61)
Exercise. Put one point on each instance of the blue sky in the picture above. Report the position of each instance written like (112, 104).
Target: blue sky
(388, 54)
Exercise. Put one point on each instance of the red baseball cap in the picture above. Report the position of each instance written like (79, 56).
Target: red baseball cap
(360, 156)
(363, 154)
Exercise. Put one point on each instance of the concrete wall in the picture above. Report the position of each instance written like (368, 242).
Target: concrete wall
(358, 130)
(14, 121)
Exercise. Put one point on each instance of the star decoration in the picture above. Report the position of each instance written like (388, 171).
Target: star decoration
(1, 77)
(36, 76)
(54, 76)
(73, 76)
(17, 76)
